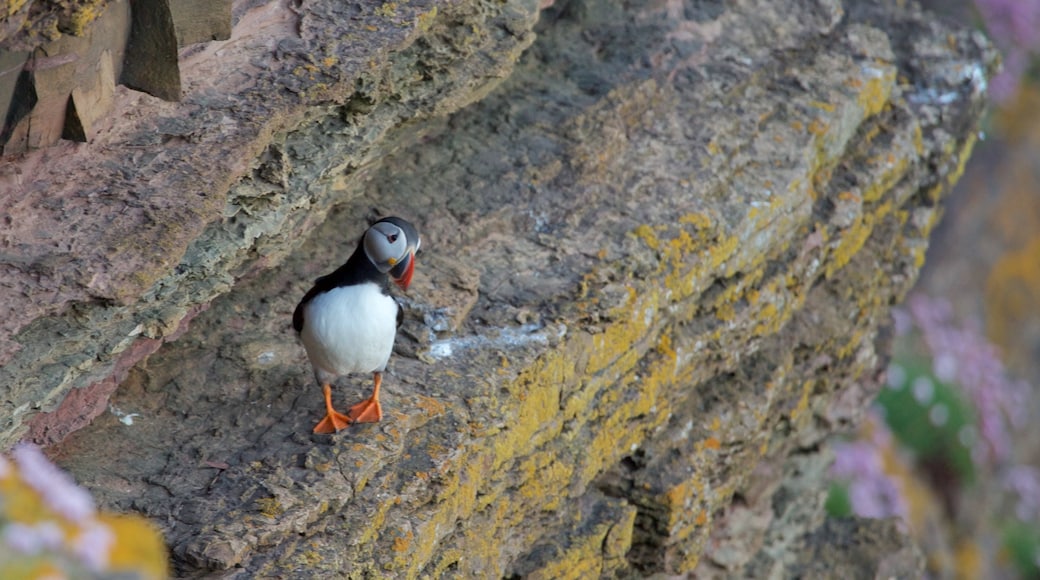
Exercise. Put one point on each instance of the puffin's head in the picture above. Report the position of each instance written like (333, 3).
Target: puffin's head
(391, 244)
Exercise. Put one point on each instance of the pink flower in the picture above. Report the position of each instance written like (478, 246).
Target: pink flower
(1014, 26)
(1024, 482)
(873, 493)
(31, 539)
(965, 357)
(57, 489)
(93, 545)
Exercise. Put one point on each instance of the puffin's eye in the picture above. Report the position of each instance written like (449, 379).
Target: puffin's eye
(391, 238)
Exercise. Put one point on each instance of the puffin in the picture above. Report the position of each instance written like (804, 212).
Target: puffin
(348, 320)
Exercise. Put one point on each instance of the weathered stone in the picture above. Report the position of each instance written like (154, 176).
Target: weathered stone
(71, 73)
(11, 65)
(118, 241)
(90, 102)
(201, 20)
(151, 52)
(684, 225)
(20, 94)
(858, 548)
(26, 24)
(80, 62)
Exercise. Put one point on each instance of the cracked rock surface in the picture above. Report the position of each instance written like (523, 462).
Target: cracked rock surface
(658, 256)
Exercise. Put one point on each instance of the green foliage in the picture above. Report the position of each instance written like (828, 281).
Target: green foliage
(838, 504)
(1022, 542)
(930, 417)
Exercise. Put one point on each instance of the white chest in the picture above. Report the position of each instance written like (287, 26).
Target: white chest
(350, 329)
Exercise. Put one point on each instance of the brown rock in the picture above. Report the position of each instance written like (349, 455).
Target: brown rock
(119, 239)
(701, 214)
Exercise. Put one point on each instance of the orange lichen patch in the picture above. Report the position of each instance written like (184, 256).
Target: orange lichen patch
(723, 250)
(712, 443)
(542, 382)
(542, 475)
(818, 127)
(702, 518)
(375, 522)
(401, 543)
(895, 169)
(430, 406)
(664, 346)
(752, 296)
(679, 497)
(617, 339)
(820, 180)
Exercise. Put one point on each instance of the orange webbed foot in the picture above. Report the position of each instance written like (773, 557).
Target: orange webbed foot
(369, 410)
(334, 421)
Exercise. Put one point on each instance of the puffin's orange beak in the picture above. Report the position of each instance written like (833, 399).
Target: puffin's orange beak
(403, 270)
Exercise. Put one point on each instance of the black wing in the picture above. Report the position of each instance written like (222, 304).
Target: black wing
(297, 315)
(357, 270)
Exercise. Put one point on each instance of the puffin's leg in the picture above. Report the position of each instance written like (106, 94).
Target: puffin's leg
(333, 421)
(369, 411)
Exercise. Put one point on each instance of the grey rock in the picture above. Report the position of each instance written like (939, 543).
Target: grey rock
(660, 253)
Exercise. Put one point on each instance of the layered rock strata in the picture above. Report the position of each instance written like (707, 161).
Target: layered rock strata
(656, 258)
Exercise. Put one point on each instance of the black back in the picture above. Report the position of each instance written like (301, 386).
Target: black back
(358, 269)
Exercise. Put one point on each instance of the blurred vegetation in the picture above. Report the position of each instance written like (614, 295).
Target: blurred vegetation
(939, 451)
(49, 528)
(953, 432)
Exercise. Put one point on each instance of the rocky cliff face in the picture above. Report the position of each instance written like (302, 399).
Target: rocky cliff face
(658, 253)
(110, 247)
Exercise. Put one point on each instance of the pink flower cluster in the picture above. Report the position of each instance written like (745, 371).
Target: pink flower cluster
(1014, 26)
(1024, 482)
(92, 541)
(873, 493)
(57, 488)
(965, 357)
